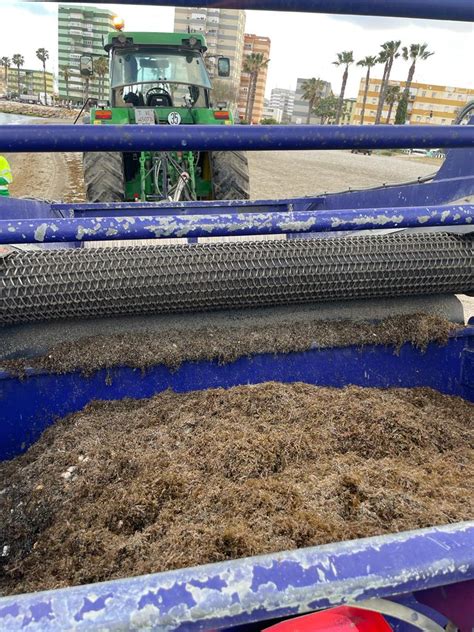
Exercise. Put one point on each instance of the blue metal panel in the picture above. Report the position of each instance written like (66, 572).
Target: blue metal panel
(461, 10)
(121, 209)
(230, 224)
(254, 589)
(29, 406)
(432, 193)
(22, 209)
(32, 138)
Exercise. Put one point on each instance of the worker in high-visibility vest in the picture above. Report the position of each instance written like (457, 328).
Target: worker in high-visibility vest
(6, 177)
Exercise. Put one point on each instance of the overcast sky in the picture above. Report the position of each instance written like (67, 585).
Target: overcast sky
(303, 45)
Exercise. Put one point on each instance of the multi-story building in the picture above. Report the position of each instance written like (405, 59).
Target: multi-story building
(31, 82)
(348, 109)
(300, 110)
(254, 44)
(224, 33)
(283, 100)
(81, 30)
(427, 105)
(270, 112)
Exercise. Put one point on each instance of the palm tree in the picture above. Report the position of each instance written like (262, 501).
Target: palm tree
(415, 52)
(253, 64)
(367, 62)
(5, 62)
(312, 92)
(43, 55)
(101, 67)
(345, 59)
(393, 95)
(18, 61)
(387, 55)
(66, 73)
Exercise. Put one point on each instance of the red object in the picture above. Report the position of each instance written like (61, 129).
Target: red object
(340, 619)
(221, 114)
(103, 114)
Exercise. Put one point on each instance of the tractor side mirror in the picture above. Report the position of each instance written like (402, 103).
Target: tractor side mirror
(223, 67)
(86, 66)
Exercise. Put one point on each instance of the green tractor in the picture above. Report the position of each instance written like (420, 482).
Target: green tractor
(161, 79)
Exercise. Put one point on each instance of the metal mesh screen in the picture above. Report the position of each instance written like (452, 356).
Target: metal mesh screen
(51, 284)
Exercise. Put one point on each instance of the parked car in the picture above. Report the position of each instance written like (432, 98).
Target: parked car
(419, 152)
(366, 152)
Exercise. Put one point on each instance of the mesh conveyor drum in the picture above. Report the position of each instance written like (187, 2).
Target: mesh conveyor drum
(90, 282)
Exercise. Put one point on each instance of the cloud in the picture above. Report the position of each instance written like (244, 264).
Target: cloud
(398, 24)
(34, 7)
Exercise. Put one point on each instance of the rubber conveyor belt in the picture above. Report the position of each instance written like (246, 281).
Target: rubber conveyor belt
(78, 283)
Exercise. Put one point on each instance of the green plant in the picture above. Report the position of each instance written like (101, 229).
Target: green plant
(326, 109)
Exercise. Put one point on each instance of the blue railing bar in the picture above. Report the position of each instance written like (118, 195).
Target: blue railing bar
(256, 588)
(229, 224)
(459, 10)
(46, 138)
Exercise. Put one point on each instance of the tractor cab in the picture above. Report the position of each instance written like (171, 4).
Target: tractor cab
(159, 77)
(160, 70)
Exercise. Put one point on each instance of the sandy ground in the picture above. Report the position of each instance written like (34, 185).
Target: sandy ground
(272, 174)
(292, 173)
(51, 176)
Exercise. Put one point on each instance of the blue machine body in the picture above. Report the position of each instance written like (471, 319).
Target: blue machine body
(432, 569)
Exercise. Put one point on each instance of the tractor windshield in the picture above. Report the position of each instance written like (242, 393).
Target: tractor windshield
(152, 71)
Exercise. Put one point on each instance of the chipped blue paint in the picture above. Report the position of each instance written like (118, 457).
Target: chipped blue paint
(461, 10)
(229, 224)
(37, 138)
(92, 605)
(254, 589)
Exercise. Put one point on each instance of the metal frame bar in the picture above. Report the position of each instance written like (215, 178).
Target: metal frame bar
(459, 10)
(229, 224)
(256, 588)
(60, 138)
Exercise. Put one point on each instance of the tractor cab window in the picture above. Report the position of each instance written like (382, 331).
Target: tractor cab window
(164, 78)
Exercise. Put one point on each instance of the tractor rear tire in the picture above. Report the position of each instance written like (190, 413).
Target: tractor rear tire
(103, 176)
(230, 175)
